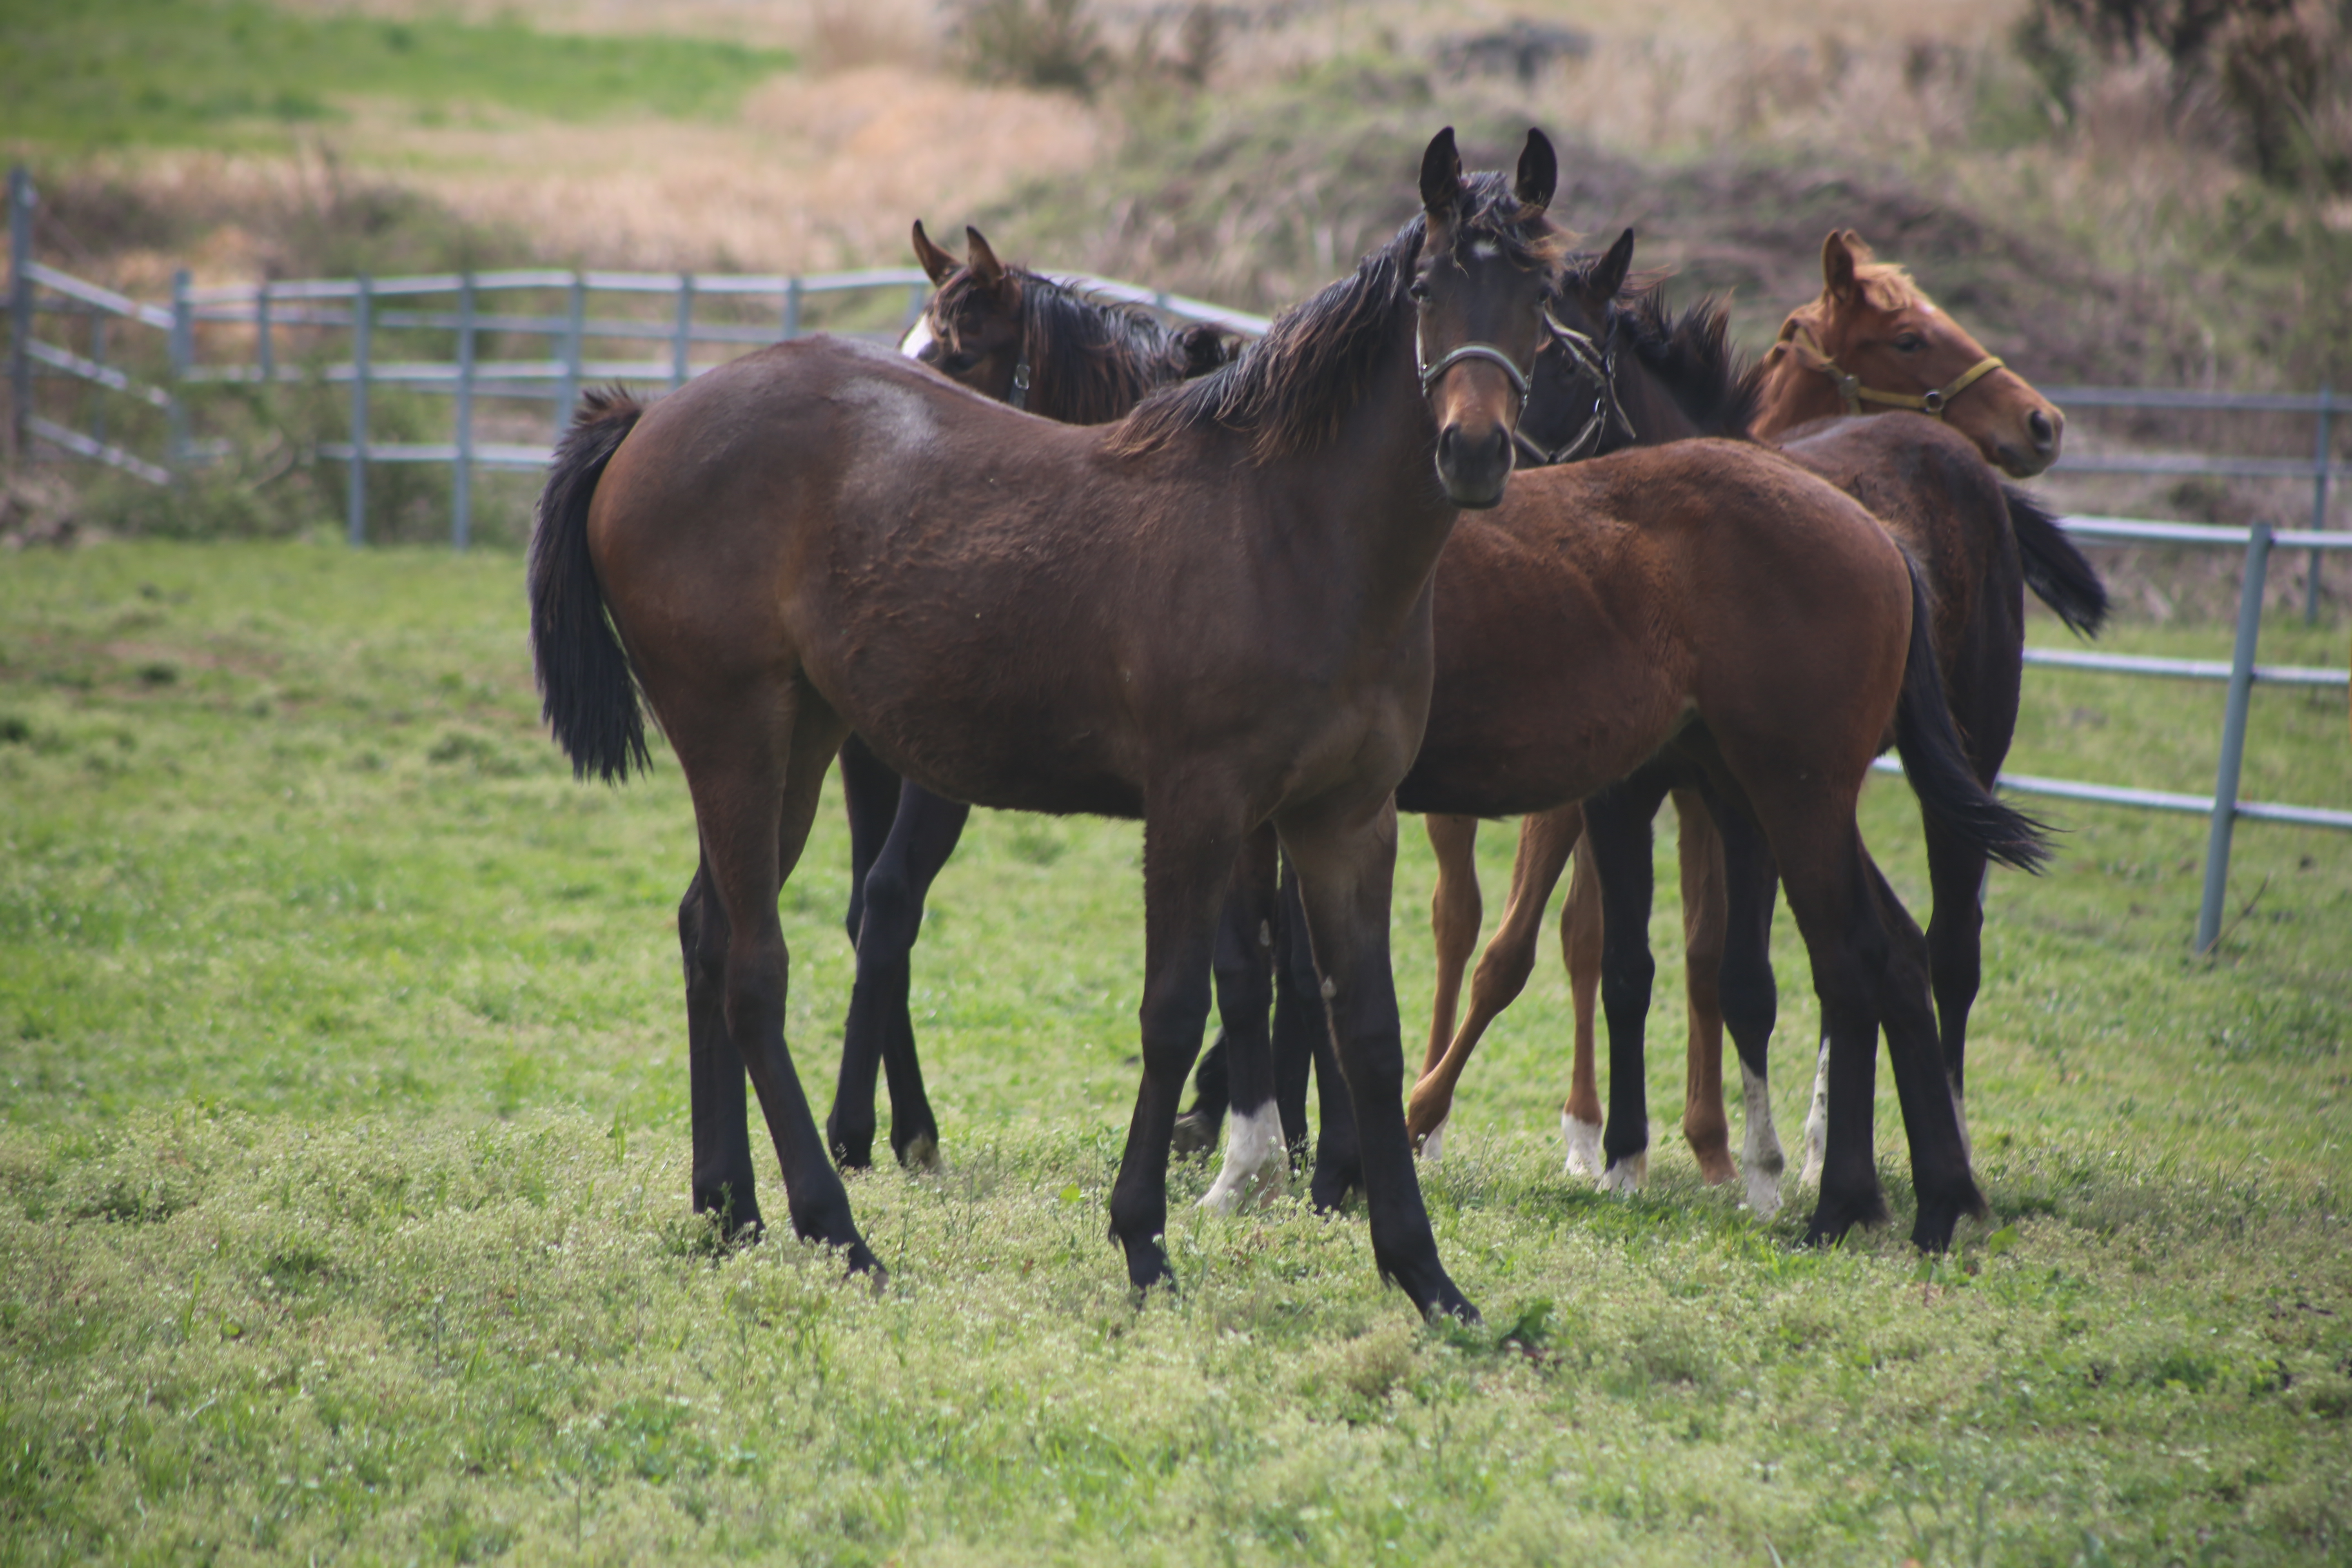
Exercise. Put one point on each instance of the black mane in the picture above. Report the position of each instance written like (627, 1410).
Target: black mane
(1289, 391)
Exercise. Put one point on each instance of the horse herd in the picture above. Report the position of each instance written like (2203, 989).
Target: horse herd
(1481, 530)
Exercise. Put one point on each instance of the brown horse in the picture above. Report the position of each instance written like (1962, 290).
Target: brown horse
(1457, 690)
(1210, 615)
(1675, 378)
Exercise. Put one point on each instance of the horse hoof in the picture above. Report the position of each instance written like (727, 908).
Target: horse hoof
(1433, 1146)
(1447, 1301)
(860, 1261)
(921, 1154)
(1763, 1193)
(1195, 1134)
(1147, 1265)
(1626, 1177)
(1583, 1140)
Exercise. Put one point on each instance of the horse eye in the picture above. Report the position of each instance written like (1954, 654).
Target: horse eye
(1419, 290)
(1910, 342)
(957, 364)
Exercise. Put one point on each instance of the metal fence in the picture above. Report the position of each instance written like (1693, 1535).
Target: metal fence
(348, 334)
(2320, 469)
(339, 326)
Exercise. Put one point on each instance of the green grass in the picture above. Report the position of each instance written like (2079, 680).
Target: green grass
(103, 73)
(343, 1174)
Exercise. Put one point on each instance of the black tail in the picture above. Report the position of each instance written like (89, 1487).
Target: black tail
(1950, 795)
(589, 699)
(2054, 569)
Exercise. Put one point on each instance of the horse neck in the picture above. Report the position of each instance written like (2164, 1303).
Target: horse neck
(1385, 513)
(1095, 384)
(1793, 394)
(1652, 408)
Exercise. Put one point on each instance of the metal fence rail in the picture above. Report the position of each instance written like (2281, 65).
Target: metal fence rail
(2320, 467)
(344, 323)
(2222, 807)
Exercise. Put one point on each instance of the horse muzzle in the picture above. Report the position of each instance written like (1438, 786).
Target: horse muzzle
(1474, 463)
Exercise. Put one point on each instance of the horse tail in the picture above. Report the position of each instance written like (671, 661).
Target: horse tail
(589, 694)
(2054, 569)
(1951, 795)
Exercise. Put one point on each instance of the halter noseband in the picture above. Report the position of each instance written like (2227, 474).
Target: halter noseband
(1487, 352)
(1601, 363)
(1931, 403)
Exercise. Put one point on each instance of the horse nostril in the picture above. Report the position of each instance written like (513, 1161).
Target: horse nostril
(2045, 434)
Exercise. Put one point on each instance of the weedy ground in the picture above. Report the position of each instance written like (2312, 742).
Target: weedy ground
(343, 1159)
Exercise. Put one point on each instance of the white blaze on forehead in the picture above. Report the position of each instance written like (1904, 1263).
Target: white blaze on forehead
(1485, 249)
(918, 338)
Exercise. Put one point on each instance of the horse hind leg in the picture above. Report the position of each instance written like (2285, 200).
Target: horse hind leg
(723, 1179)
(1455, 912)
(1257, 1157)
(1940, 1177)
(1956, 875)
(1750, 996)
(753, 802)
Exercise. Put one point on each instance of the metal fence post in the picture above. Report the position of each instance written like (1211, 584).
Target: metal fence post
(2234, 737)
(792, 307)
(2318, 503)
(96, 400)
(264, 351)
(461, 486)
(362, 308)
(20, 310)
(183, 345)
(682, 340)
(575, 331)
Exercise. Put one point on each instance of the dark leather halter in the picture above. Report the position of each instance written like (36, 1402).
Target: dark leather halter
(1599, 362)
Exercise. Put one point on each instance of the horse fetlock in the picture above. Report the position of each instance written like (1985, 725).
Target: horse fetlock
(1257, 1162)
(1583, 1140)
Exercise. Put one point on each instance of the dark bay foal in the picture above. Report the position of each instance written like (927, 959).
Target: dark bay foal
(1212, 614)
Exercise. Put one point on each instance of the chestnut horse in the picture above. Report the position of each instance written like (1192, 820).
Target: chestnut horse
(1577, 565)
(1037, 344)
(1672, 378)
(1213, 613)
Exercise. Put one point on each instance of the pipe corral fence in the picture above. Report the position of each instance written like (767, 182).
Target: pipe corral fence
(284, 330)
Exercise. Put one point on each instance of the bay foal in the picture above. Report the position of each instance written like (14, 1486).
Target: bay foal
(1210, 615)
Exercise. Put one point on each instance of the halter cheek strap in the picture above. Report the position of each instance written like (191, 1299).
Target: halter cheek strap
(1020, 398)
(1931, 403)
(1600, 365)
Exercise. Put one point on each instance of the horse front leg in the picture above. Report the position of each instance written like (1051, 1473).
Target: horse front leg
(1700, 856)
(1617, 835)
(1346, 858)
(1187, 859)
(880, 1029)
(1456, 911)
(1749, 996)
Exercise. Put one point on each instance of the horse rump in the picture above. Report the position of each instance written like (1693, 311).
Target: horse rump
(2056, 571)
(589, 695)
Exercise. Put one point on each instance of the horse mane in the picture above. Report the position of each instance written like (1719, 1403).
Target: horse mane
(1290, 391)
(1092, 360)
(1692, 356)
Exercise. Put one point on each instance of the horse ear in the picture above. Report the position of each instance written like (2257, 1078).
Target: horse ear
(1609, 273)
(1539, 172)
(985, 268)
(1441, 177)
(1837, 267)
(936, 264)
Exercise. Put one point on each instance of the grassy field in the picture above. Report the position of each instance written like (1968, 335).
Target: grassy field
(343, 1174)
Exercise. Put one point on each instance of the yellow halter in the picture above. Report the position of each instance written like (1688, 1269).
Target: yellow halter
(1932, 404)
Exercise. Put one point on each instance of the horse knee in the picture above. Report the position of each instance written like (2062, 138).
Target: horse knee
(755, 986)
(892, 917)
